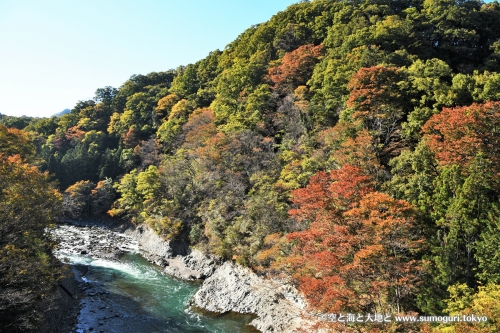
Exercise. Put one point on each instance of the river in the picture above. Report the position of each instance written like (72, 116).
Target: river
(129, 294)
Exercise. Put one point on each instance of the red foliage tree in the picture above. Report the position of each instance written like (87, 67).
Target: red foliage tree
(386, 241)
(377, 101)
(296, 68)
(358, 251)
(74, 135)
(199, 128)
(457, 135)
(321, 248)
(131, 138)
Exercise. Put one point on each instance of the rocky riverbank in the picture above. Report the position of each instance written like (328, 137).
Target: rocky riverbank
(277, 304)
(227, 287)
(93, 241)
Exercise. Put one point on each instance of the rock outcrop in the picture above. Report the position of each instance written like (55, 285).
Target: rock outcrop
(277, 305)
(93, 241)
(175, 257)
(151, 246)
(203, 263)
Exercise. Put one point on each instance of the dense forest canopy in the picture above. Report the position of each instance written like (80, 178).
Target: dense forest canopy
(350, 144)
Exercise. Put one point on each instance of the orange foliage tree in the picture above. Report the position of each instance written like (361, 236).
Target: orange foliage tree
(378, 101)
(14, 141)
(323, 247)
(457, 135)
(296, 68)
(360, 248)
(199, 128)
(387, 243)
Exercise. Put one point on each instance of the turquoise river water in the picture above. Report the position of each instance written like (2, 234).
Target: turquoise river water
(132, 295)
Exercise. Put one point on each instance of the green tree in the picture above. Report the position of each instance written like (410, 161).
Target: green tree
(170, 129)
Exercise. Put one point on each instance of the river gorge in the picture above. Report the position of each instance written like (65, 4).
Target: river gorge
(130, 280)
(123, 292)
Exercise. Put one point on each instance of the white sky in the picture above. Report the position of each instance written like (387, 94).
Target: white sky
(56, 52)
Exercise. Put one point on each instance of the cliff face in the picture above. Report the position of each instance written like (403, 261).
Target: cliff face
(277, 306)
(228, 287)
(60, 307)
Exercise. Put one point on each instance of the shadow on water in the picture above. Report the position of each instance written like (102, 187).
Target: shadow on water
(132, 295)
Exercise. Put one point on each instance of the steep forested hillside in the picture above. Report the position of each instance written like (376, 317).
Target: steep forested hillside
(353, 145)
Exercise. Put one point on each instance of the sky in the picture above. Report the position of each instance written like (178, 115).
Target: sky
(54, 53)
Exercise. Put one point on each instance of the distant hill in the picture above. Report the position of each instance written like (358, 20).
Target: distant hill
(65, 111)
